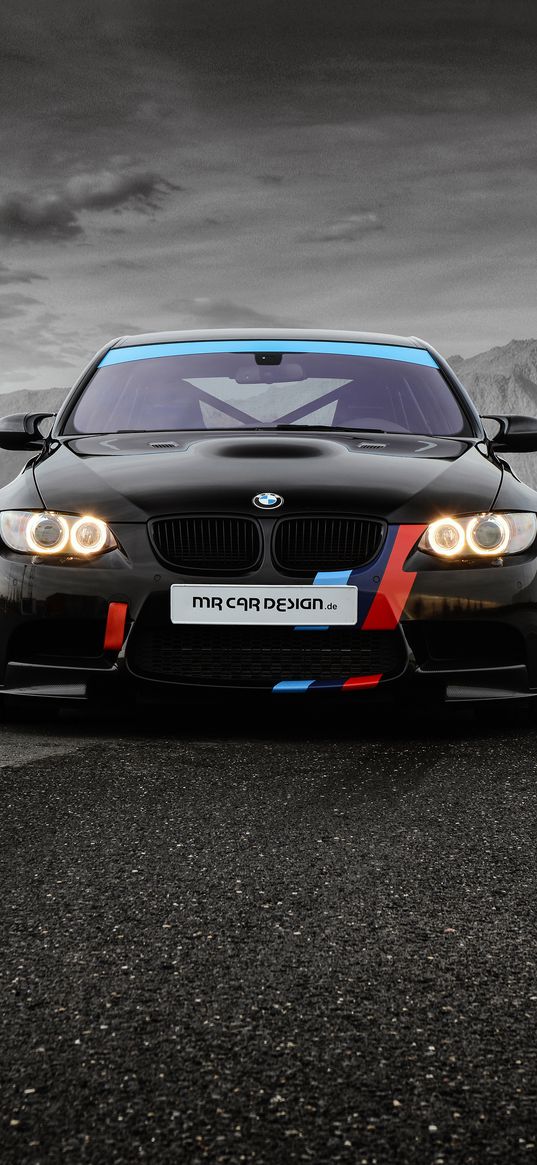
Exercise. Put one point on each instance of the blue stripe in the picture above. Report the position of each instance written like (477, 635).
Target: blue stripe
(312, 627)
(326, 578)
(293, 685)
(381, 351)
(332, 578)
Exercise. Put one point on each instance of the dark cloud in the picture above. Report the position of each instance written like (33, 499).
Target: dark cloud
(111, 328)
(10, 275)
(348, 229)
(133, 63)
(15, 305)
(270, 179)
(30, 215)
(57, 215)
(106, 189)
(223, 313)
(122, 263)
(341, 59)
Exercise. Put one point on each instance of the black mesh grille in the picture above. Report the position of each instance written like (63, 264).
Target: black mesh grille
(261, 656)
(306, 545)
(206, 544)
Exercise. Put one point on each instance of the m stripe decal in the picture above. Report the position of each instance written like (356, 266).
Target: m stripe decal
(326, 578)
(361, 682)
(383, 589)
(332, 578)
(395, 584)
(353, 682)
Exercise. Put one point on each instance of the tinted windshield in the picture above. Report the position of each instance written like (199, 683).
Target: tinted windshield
(252, 390)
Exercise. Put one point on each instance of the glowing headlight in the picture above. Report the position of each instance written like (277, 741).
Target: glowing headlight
(45, 533)
(488, 534)
(484, 535)
(89, 535)
(445, 537)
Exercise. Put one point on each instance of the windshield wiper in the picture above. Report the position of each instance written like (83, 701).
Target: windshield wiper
(270, 428)
(329, 428)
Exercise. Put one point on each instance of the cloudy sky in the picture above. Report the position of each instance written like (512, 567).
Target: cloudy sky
(182, 163)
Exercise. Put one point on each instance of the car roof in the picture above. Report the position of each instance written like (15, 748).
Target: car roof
(268, 334)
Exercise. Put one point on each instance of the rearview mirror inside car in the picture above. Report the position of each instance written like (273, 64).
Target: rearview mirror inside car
(288, 373)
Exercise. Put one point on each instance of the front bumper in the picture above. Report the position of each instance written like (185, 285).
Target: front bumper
(464, 635)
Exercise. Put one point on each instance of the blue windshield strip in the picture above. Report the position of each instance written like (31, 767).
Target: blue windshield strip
(381, 351)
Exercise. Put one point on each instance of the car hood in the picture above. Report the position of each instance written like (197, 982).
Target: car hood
(133, 477)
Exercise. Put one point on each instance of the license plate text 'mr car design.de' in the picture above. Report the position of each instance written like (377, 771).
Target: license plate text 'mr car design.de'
(315, 606)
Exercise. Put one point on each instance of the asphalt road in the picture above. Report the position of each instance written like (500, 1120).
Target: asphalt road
(282, 936)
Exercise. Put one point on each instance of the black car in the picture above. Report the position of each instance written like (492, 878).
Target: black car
(286, 510)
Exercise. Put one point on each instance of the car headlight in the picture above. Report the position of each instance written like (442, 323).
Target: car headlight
(482, 535)
(46, 533)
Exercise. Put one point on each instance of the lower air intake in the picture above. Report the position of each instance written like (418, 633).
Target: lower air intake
(259, 657)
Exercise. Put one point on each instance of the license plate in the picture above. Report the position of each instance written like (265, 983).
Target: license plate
(294, 606)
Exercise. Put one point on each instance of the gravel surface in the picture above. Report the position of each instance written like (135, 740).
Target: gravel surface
(308, 942)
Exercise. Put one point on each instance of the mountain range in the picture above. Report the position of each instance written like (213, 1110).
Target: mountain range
(501, 380)
(504, 380)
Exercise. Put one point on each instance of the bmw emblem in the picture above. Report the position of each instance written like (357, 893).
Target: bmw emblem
(267, 501)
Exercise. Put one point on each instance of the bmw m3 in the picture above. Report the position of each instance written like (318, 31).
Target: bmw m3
(291, 510)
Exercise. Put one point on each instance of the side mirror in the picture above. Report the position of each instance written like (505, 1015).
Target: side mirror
(515, 434)
(21, 430)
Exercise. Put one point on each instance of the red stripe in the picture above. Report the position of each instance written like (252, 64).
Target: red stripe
(395, 584)
(362, 682)
(115, 626)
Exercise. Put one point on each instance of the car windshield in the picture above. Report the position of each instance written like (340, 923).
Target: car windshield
(400, 391)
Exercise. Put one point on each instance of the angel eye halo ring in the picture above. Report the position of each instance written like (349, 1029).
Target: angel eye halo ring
(445, 537)
(89, 535)
(45, 533)
(487, 535)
